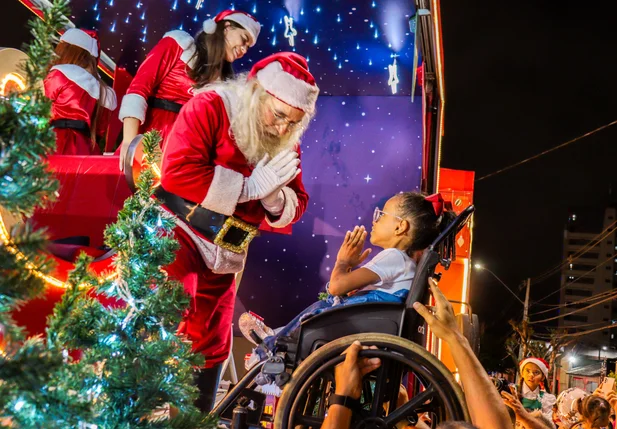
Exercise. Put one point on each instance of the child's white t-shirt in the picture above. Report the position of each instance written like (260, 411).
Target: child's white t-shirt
(395, 269)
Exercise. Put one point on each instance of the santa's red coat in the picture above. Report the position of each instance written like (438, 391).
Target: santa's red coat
(202, 163)
(74, 94)
(163, 74)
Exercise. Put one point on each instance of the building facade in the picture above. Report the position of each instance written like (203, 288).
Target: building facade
(590, 249)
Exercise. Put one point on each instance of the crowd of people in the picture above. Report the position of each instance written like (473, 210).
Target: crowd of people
(527, 406)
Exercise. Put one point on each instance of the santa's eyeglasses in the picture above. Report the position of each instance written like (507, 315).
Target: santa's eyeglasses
(280, 120)
(378, 214)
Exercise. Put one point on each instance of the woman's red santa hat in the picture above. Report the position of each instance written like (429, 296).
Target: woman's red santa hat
(247, 21)
(286, 76)
(85, 39)
(539, 362)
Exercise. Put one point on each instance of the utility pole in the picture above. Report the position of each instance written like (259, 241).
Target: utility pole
(525, 323)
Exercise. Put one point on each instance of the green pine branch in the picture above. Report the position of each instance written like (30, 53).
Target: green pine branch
(35, 380)
(142, 365)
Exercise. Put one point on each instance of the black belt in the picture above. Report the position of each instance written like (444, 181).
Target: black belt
(73, 124)
(227, 232)
(161, 103)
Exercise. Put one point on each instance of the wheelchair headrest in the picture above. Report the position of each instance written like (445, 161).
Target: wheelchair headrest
(441, 251)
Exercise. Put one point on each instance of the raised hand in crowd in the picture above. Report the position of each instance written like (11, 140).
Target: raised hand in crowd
(483, 400)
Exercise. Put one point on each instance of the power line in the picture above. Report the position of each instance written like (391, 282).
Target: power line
(547, 151)
(578, 310)
(575, 280)
(580, 334)
(597, 240)
(567, 304)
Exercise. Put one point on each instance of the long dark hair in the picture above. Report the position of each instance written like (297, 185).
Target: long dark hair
(424, 222)
(210, 59)
(70, 54)
(594, 409)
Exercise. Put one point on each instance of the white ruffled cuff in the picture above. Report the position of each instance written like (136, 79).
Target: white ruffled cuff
(133, 106)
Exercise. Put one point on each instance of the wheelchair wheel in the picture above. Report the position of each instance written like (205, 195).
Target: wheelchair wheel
(430, 386)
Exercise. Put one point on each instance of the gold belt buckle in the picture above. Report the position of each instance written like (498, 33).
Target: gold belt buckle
(232, 222)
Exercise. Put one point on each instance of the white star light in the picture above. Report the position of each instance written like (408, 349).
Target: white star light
(290, 31)
(393, 79)
(368, 178)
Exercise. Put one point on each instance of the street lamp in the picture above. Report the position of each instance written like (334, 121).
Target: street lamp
(481, 267)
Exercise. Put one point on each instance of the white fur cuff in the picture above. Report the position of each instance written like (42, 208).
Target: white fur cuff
(224, 191)
(274, 204)
(289, 211)
(133, 106)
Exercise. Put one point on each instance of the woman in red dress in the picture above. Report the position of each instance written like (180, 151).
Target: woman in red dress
(81, 101)
(177, 65)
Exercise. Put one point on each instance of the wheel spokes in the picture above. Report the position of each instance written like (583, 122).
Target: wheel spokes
(380, 387)
(412, 405)
(315, 422)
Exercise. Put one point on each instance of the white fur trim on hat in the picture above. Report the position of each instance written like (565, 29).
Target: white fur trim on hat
(248, 23)
(77, 37)
(209, 26)
(187, 43)
(282, 85)
(289, 210)
(224, 191)
(133, 106)
(536, 362)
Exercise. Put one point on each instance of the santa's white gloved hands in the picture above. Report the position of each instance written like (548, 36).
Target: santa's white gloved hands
(270, 175)
(275, 202)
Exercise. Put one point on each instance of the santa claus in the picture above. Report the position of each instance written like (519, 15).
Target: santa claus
(232, 160)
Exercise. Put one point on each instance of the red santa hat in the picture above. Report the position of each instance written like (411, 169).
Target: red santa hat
(85, 39)
(539, 362)
(286, 76)
(247, 21)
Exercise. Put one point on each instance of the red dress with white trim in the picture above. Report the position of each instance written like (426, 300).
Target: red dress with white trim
(74, 94)
(162, 85)
(203, 165)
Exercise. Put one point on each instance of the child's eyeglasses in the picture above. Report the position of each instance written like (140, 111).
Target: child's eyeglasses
(377, 214)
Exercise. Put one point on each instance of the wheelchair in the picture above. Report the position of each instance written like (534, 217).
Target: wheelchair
(303, 365)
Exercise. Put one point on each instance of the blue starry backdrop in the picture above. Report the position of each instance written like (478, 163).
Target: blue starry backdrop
(363, 146)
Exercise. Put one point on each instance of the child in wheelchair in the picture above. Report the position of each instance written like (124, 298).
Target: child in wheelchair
(408, 223)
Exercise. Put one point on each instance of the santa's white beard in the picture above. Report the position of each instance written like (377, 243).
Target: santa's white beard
(254, 140)
(245, 103)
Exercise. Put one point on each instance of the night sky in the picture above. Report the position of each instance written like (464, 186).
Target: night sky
(522, 77)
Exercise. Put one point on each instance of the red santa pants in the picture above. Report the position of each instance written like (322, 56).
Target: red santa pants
(207, 322)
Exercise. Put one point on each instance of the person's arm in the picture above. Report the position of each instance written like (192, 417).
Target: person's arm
(483, 400)
(339, 417)
(348, 382)
(150, 74)
(524, 417)
(344, 278)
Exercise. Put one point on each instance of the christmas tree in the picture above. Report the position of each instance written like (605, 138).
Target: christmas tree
(133, 366)
(34, 382)
(142, 368)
